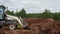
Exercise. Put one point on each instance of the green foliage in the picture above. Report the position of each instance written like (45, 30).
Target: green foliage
(17, 14)
(56, 16)
(22, 13)
(10, 12)
(46, 14)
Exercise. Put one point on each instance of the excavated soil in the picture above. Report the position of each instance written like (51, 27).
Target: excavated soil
(36, 26)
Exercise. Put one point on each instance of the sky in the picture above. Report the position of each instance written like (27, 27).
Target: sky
(32, 6)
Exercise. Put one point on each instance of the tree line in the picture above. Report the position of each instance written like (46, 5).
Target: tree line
(46, 14)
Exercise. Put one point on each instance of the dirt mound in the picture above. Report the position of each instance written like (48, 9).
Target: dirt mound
(57, 26)
(43, 22)
(37, 26)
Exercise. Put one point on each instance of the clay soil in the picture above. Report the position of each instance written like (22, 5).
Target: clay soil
(36, 26)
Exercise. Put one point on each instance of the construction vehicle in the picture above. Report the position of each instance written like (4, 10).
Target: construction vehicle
(11, 21)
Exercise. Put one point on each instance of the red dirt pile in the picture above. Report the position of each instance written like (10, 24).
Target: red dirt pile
(37, 26)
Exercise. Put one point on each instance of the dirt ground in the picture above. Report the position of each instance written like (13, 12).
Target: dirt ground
(36, 26)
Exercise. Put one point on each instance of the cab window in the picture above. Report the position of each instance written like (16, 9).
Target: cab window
(1, 11)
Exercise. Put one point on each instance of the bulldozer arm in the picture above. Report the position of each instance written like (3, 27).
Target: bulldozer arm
(21, 23)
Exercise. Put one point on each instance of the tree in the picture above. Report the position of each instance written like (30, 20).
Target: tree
(22, 13)
(47, 14)
(17, 14)
(10, 12)
(59, 15)
(7, 12)
(56, 16)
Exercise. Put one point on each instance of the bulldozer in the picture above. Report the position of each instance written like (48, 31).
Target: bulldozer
(11, 21)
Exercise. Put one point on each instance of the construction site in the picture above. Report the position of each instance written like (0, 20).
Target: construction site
(36, 26)
(13, 25)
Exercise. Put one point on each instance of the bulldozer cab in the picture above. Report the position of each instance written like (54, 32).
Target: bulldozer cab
(2, 9)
